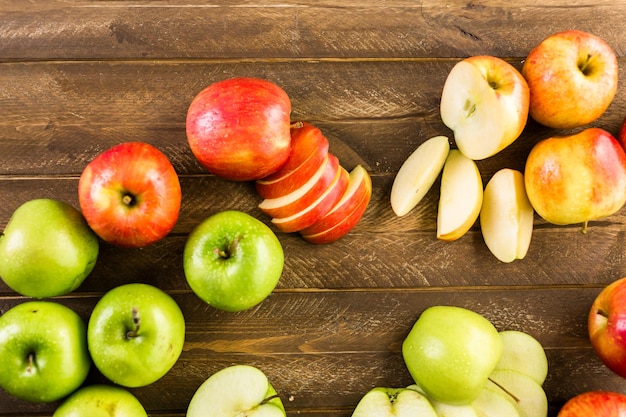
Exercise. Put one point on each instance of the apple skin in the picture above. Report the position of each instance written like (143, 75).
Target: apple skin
(232, 261)
(572, 77)
(577, 178)
(130, 195)
(239, 128)
(621, 137)
(596, 404)
(607, 326)
(47, 249)
(450, 353)
(101, 401)
(135, 334)
(43, 351)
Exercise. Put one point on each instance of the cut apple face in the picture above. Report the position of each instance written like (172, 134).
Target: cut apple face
(418, 173)
(234, 391)
(485, 102)
(460, 198)
(491, 403)
(524, 354)
(393, 402)
(528, 397)
(506, 216)
(447, 410)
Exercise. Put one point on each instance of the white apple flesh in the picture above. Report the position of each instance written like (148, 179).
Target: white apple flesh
(394, 402)
(418, 173)
(491, 403)
(528, 396)
(523, 353)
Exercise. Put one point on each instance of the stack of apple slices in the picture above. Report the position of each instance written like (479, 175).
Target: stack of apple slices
(312, 193)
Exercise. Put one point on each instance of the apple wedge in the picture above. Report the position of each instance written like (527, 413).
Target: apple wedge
(528, 396)
(346, 213)
(523, 353)
(485, 102)
(418, 173)
(447, 410)
(506, 216)
(393, 402)
(304, 196)
(460, 198)
(317, 209)
(492, 403)
(308, 150)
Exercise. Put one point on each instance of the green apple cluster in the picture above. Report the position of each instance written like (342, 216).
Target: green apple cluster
(462, 366)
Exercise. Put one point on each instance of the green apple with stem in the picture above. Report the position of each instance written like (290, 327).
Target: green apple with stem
(135, 334)
(43, 351)
(101, 400)
(237, 390)
(232, 260)
(47, 249)
(450, 352)
(394, 402)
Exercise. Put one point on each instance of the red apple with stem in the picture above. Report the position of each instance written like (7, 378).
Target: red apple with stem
(596, 404)
(239, 128)
(130, 195)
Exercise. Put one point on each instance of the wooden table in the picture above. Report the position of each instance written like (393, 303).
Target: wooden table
(77, 77)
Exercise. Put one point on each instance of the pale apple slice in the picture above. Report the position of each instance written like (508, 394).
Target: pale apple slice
(418, 173)
(506, 216)
(460, 197)
(485, 102)
(447, 410)
(304, 196)
(523, 353)
(528, 396)
(393, 402)
(316, 210)
(491, 403)
(308, 150)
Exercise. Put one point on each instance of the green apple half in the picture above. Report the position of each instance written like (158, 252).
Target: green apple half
(521, 390)
(43, 351)
(101, 401)
(394, 402)
(450, 353)
(523, 353)
(47, 249)
(135, 334)
(232, 260)
(238, 390)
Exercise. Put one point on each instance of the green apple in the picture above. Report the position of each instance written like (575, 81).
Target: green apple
(450, 353)
(528, 396)
(47, 249)
(101, 401)
(238, 390)
(232, 260)
(394, 402)
(523, 353)
(43, 351)
(135, 334)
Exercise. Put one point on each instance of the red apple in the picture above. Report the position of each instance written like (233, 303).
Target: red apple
(622, 134)
(309, 147)
(239, 128)
(305, 195)
(346, 213)
(130, 195)
(572, 78)
(595, 404)
(607, 326)
(310, 214)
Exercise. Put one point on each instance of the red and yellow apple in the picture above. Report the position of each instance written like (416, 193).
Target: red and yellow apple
(239, 128)
(596, 404)
(572, 77)
(130, 195)
(485, 102)
(576, 178)
(621, 137)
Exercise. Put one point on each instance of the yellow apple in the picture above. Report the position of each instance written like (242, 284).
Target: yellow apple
(506, 216)
(460, 198)
(572, 77)
(485, 102)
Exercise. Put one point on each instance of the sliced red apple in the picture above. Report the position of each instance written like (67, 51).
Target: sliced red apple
(313, 212)
(346, 213)
(304, 196)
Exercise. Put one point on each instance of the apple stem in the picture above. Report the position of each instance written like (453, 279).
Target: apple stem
(517, 400)
(31, 362)
(296, 125)
(583, 66)
(584, 230)
(227, 253)
(136, 322)
(128, 200)
(268, 399)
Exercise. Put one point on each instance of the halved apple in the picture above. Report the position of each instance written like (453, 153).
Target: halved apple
(418, 173)
(317, 209)
(308, 150)
(528, 396)
(346, 213)
(492, 403)
(506, 216)
(302, 197)
(523, 353)
(485, 102)
(393, 402)
(460, 198)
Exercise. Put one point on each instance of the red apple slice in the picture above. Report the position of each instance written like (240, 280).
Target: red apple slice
(309, 147)
(359, 189)
(304, 196)
(317, 209)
